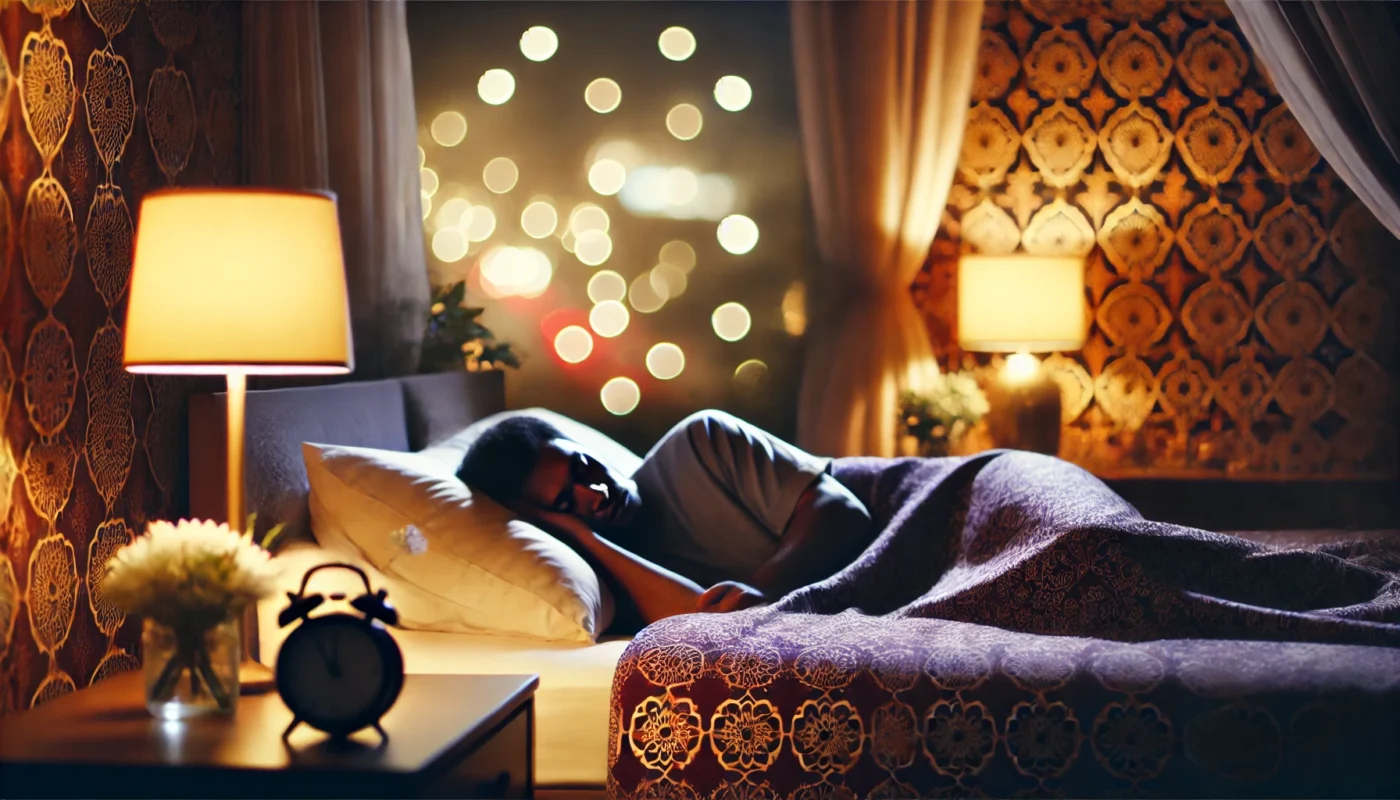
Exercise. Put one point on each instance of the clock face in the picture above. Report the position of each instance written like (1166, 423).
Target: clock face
(335, 673)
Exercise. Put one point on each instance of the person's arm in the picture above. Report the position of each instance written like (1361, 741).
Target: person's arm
(653, 590)
(828, 529)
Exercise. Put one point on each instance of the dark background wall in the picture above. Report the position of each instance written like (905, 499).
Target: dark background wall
(100, 102)
(1243, 301)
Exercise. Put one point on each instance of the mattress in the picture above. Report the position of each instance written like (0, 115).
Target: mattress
(571, 704)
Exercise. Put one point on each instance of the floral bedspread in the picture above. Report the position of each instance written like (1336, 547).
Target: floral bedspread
(1018, 629)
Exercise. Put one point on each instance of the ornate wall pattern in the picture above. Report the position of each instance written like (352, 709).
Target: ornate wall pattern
(1242, 301)
(100, 102)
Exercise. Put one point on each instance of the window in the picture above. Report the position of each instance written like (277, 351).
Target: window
(621, 185)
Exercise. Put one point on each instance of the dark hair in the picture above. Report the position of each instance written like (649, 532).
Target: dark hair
(500, 461)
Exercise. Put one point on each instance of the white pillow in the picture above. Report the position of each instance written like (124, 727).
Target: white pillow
(483, 569)
(450, 451)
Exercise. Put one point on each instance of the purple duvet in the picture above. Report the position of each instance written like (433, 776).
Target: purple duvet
(1018, 629)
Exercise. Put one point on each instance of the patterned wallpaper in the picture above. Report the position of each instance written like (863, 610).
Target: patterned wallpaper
(1242, 300)
(100, 102)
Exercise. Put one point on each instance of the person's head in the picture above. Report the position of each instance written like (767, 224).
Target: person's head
(526, 463)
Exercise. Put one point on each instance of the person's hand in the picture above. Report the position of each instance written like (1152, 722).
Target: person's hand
(728, 596)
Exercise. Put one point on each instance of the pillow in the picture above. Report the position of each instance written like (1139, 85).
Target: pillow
(483, 570)
(450, 451)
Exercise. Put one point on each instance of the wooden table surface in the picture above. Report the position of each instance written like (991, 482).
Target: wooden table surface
(106, 734)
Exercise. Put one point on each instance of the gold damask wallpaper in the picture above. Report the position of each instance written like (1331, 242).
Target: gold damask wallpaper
(100, 102)
(1242, 301)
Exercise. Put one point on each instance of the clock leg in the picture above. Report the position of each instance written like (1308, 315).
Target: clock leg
(288, 732)
(383, 735)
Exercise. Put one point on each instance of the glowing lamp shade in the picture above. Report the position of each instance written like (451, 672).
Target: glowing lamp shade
(1020, 304)
(249, 281)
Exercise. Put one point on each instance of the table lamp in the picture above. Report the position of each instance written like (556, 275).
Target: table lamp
(238, 282)
(1022, 304)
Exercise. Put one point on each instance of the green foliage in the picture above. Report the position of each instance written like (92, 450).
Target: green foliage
(455, 339)
(942, 414)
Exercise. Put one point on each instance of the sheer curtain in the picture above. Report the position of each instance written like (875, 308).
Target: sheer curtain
(1337, 65)
(883, 92)
(328, 104)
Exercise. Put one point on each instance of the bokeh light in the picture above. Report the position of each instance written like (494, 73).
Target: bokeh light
(716, 198)
(609, 318)
(588, 217)
(654, 191)
(539, 219)
(517, 271)
(751, 376)
(495, 86)
(603, 95)
(481, 224)
(678, 254)
(668, 281)
(538, 43)
(606, 285)
(684, 122)
(422, 157)
(449, 129)
(733, 93)
(681, 186)
(620, 396)
(626, 153)
(795, 309)
(665, 361)
(450, 245)
(428, 180)
(607, 177)
(731, 322)
(593, 247)
(500, 175)
(427, 202)
(737, 234)
(453, 213)
(642, 295)
(573, 344)
(676, 43)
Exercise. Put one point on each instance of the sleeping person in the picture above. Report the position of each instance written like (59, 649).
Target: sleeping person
(720, 516)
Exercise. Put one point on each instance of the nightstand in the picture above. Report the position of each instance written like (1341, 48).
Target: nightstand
(449, 736)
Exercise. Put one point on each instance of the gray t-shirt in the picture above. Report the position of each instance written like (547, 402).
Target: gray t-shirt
(717, 494)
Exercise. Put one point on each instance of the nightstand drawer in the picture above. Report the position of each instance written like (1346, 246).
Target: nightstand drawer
(499, 768)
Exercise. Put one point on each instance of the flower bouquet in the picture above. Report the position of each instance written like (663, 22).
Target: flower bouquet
(190, 582)
(932, 423)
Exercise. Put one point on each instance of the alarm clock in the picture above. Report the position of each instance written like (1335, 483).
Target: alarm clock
(339, 672)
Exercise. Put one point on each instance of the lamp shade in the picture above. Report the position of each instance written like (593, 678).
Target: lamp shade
(238, 280)
(1020, 303)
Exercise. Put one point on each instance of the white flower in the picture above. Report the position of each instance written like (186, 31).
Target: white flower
(189, 573)
(410, 540)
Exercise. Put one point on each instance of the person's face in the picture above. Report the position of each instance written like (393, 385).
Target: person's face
(568, 479)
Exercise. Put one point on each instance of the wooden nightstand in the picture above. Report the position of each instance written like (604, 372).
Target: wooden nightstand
(449, 736)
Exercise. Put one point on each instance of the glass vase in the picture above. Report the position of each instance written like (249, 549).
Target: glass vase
(190, 670)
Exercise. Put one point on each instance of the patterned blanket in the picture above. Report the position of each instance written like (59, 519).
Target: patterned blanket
(1017, 628)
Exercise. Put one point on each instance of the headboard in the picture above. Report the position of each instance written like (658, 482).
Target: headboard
(396, 414)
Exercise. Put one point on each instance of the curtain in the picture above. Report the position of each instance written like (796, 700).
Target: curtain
(328, 104)
(1337, 65)
(883, 90)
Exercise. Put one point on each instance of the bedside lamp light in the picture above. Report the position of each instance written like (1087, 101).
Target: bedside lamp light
(1022, 304)
(238, 282)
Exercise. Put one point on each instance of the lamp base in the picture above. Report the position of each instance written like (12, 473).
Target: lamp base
(1025, 414)
(254, 678)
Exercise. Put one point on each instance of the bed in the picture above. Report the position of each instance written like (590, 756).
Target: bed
(921, 670)
(571, 703)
